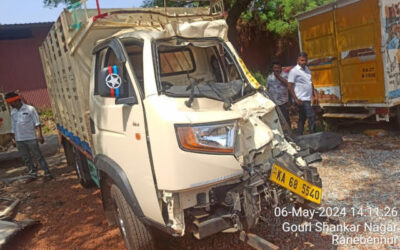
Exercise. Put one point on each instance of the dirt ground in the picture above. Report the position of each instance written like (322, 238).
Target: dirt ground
(362, 171)
(70, 216)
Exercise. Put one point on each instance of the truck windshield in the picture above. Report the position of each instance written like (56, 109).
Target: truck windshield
(198, 68)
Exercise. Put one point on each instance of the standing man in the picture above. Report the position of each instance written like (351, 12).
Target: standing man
(25, 125)
(278, 89)
(302, 90)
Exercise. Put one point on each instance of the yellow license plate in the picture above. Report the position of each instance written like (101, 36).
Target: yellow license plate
(295, 184)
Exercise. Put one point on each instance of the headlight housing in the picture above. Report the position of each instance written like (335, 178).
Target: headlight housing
(207, 138)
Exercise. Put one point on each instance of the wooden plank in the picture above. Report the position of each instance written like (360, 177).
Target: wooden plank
(47, 75)
(55, 91)
(62, 89)
(68, 80)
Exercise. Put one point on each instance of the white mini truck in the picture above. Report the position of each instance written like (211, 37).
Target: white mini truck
(155, 107)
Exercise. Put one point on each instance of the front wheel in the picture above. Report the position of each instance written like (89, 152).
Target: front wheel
(136, 235)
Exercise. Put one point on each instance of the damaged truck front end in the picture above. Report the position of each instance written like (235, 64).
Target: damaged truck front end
(227, 159)
(274, 173)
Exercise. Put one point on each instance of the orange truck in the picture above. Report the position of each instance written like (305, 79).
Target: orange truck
(354, 48)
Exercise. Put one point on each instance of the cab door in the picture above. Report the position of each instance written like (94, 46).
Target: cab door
(117, 117)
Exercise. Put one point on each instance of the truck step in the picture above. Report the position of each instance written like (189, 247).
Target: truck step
(347, 115)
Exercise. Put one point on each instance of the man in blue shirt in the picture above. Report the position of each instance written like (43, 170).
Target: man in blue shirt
(302, 90)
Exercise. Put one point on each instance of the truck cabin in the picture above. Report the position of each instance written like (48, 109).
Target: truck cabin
(183, 68)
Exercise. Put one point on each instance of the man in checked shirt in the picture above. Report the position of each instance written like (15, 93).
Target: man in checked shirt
(277, 85)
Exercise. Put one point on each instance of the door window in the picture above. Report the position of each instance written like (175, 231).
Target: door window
(135, 55)
(176, 62)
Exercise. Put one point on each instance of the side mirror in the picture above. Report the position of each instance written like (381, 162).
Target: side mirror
(113, 84)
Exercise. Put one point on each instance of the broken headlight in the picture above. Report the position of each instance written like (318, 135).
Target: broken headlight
(210, 138)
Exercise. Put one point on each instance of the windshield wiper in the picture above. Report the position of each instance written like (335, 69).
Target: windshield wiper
(227, 103)
(192, 85)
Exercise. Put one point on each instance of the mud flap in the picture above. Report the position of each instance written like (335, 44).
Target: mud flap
(94, 173)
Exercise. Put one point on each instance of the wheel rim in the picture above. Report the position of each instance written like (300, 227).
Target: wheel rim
(78, 169)
(121, 223)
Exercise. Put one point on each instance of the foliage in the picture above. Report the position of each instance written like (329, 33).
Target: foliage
(47, 120)
(278, 16)
(46, 130)
(260, 77)
(160, 3)
(45, 114)
(55, 3)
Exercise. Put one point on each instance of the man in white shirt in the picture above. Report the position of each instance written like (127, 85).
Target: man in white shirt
(302, 90)
(25, 124)
(278, 89)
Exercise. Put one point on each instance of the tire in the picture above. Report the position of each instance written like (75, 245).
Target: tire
(397, 111)
(136, 235)
(330, 124)
(69, 153)
(82, 170)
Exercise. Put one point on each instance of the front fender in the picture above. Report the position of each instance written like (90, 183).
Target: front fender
(119, 178)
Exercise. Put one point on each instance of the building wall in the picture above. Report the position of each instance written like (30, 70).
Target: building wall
(20, 65)
(259, 49)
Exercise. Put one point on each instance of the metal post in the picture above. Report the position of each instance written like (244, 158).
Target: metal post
(98, 7)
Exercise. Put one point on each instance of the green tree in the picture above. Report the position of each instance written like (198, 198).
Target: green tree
(235, 9)
(160, 3)
(279, 16)
(55, 3)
